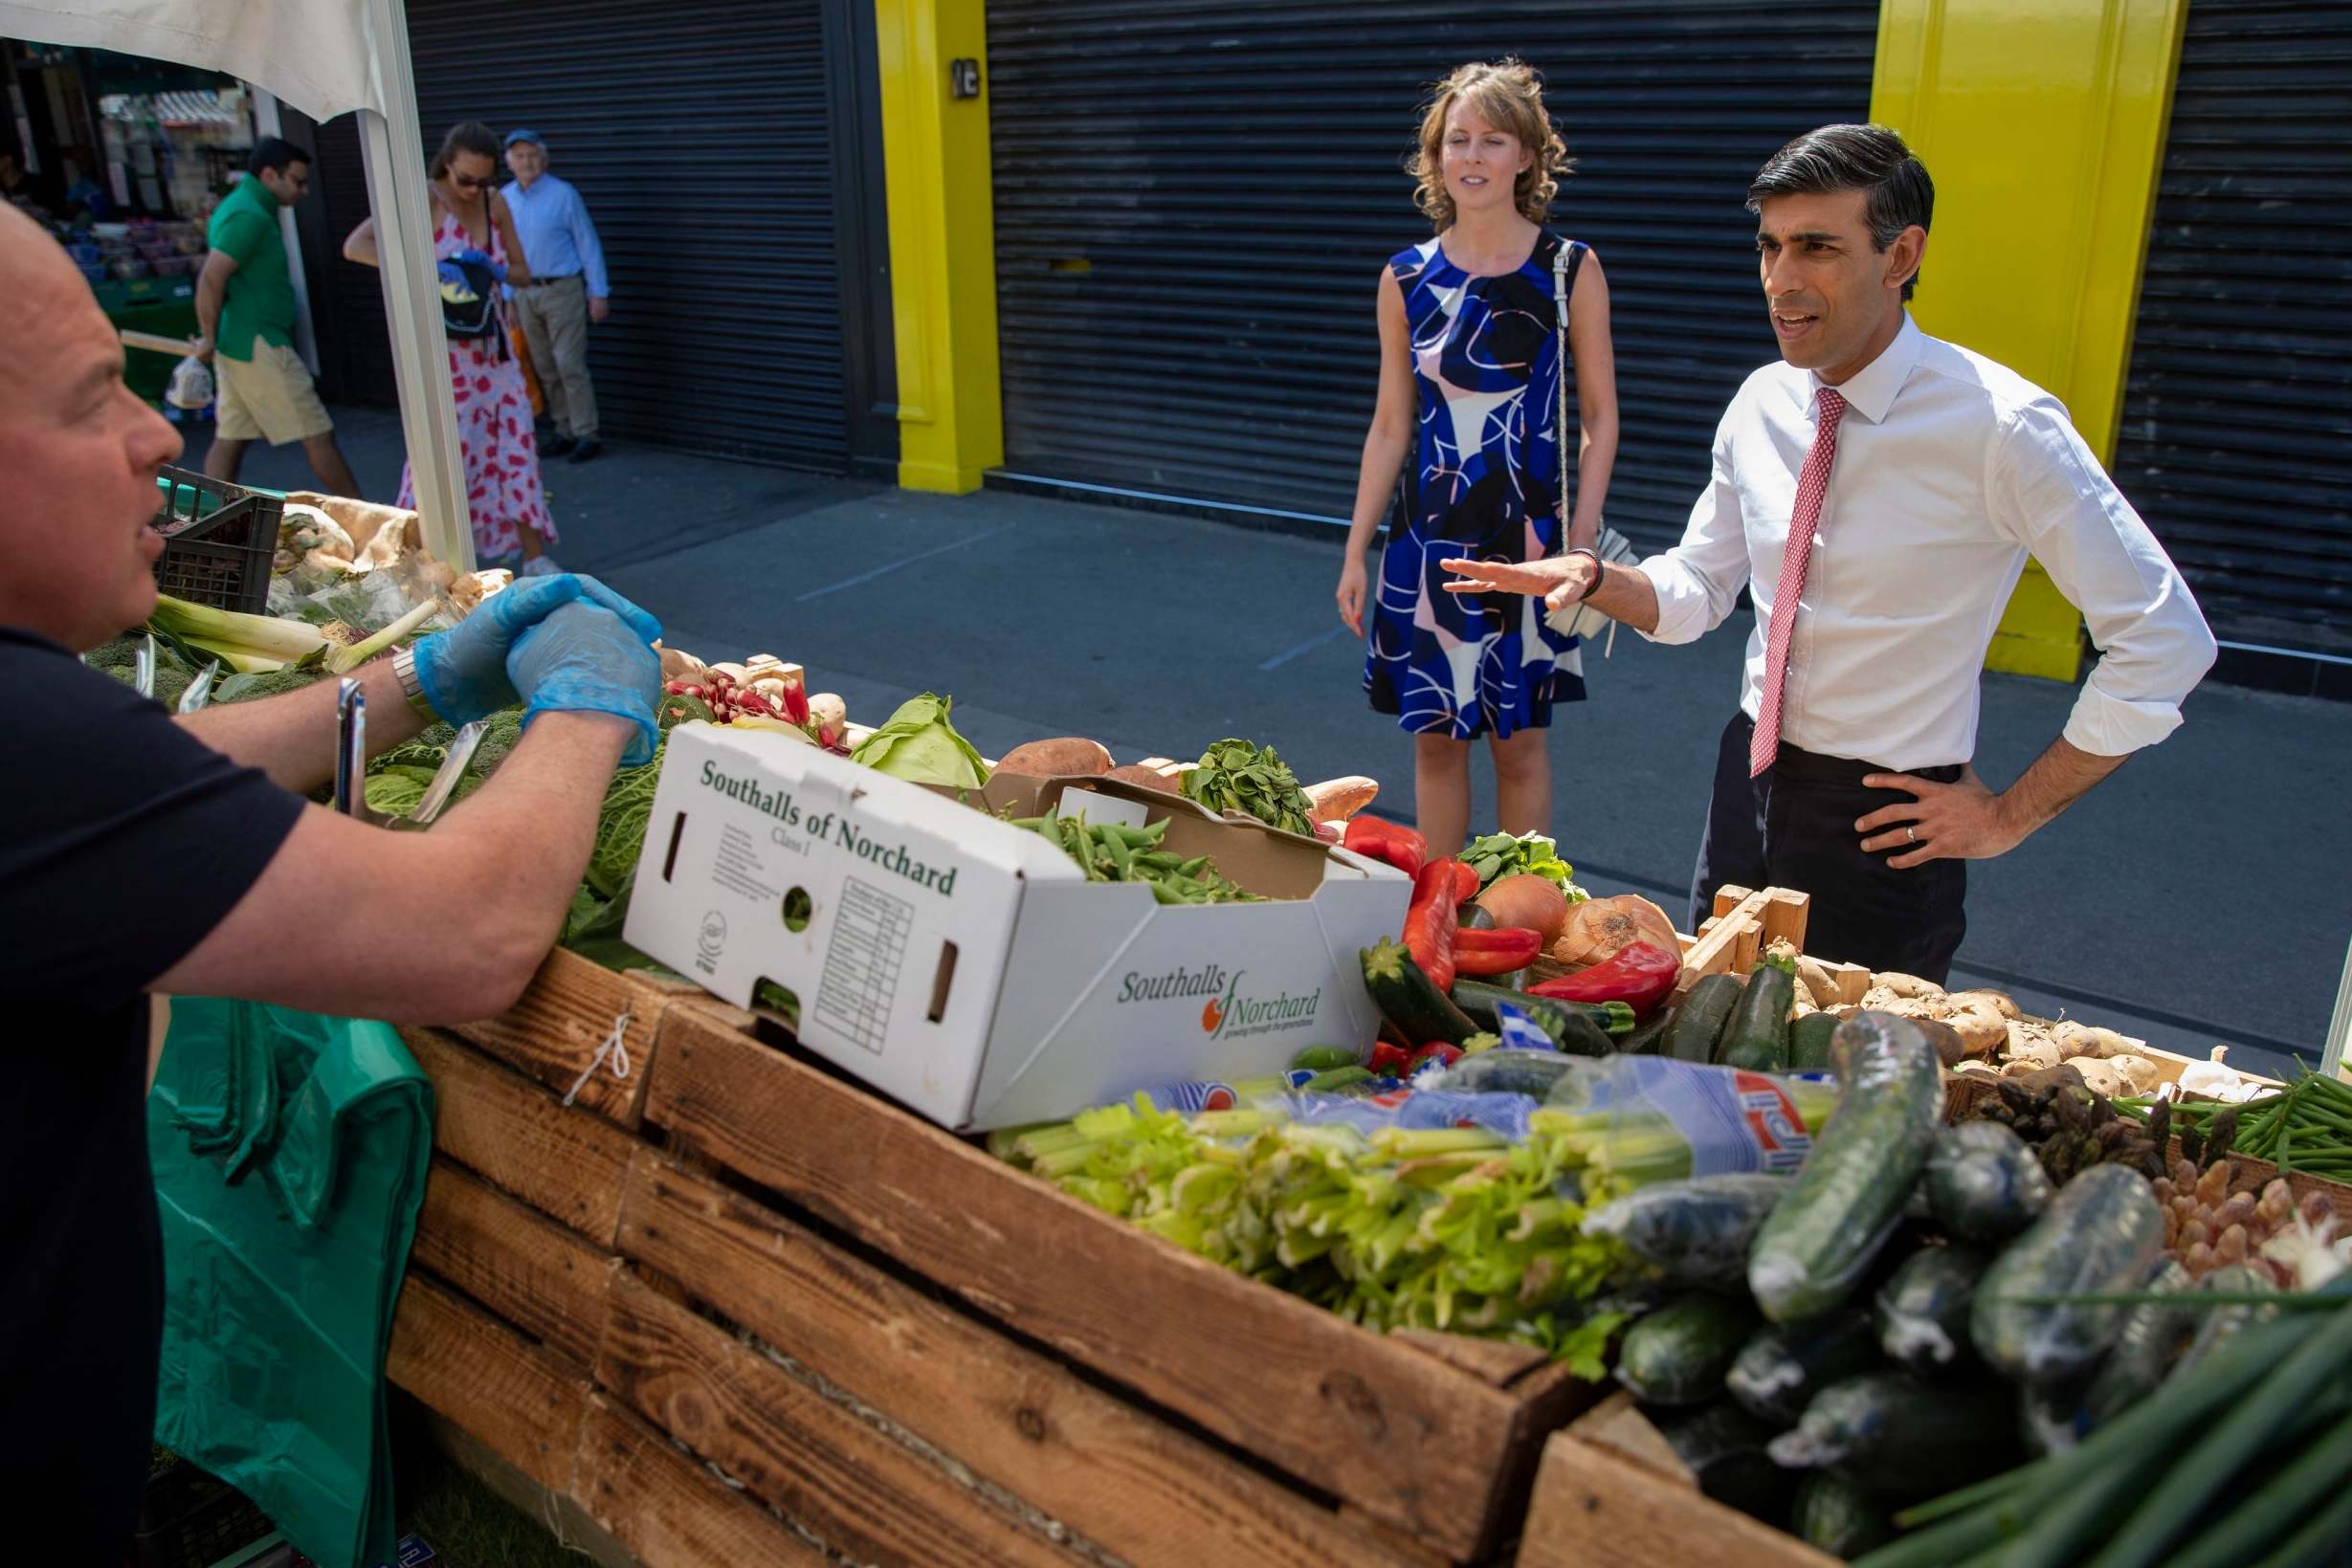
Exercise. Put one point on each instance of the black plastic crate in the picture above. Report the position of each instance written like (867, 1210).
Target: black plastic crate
(218, 540)
(191, 1519)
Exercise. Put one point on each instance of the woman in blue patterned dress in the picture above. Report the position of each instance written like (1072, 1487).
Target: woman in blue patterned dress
(1470, 388)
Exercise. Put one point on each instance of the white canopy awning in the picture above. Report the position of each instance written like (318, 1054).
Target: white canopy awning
(325, 58)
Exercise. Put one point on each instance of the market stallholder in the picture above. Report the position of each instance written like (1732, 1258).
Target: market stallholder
(147, 853)
(1919, 475)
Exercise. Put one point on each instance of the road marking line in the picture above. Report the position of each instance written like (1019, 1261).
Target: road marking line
(909, 560)
(1282, 660)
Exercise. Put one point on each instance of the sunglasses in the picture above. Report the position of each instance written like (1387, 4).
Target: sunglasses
(467, 182)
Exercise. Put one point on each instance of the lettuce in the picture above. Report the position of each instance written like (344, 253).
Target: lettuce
(920, 747)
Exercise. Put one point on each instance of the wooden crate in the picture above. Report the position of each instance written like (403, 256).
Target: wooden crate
(1612, 1492)
(866, 1333)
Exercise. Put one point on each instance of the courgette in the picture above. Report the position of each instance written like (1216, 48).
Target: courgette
(1922, 1312)
(2154, 1336)
(1845, 1200)
(1649, 1037)
(1835, 1515)
(1678, 1354)
(1584, 1028)
(1694, 1231)
(1700, 1020)
(2098, 1237)
(1410, 999)
(1780, 1369)
(1808, 1042)
(1757, 1036)
(1984, 1183)
(1534, 1073)
(1897, 1437)
(1474, 917)
(1728, 1453)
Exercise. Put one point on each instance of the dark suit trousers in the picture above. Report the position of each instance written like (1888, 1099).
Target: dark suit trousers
(1793, 828)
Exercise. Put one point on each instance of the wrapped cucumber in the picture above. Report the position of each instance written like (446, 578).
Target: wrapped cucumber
(1922, 1311)
(2099, 1237)
(1897, 1437)
(1678, 1354)
(1840, 1517)
(1728, 1453)
(1695, 1231)
(2155, 1335)
(1983, 1183)
(2217, 1326)
(1814, 1246)
(1780, 1369)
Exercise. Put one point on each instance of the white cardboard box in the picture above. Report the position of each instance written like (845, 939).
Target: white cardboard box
(966, 966)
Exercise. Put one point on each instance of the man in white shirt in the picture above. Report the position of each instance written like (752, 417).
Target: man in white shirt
(1922, 476)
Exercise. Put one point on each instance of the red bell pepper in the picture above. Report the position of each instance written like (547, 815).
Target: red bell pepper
(1390, 1061)
(1431, 924)
(1443, 1053)
(1377, 840)
(1466, 883)
(1639, 974)
(1496, 952)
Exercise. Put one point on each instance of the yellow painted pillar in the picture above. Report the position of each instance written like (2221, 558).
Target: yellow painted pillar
(2042, 122)
(942, 240)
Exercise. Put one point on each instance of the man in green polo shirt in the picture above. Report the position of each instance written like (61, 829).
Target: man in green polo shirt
(245, 310)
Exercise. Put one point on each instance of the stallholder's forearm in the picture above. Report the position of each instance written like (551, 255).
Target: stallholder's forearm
(2059, 777)
(292, 737)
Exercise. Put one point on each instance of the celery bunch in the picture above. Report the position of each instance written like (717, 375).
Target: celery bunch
(1450, 1229)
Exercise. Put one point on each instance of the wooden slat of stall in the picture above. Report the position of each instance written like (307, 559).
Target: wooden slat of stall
(1412, 1441)
(865, 1495)
(510, 1131)
(553, 1033)
(1142, 1488)
(1593, 1506)
(668, 1507)
(525, 1267)
(527, 1402)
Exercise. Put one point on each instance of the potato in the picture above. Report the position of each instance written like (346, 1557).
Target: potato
(1904, 985)
(1336, 800)
(1136, 773)
(2087, 1040)
(1054, 759)
(1999, 1001)
(2098, 1076)
(1983, 1030)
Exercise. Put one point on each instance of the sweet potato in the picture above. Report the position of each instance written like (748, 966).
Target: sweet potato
(1054, 759)
(1136, 773)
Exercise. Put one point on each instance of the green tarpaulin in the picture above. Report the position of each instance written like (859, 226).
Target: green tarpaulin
(290, 1156)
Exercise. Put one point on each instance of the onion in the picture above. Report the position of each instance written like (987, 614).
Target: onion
(1527, 900)
(1598, 928)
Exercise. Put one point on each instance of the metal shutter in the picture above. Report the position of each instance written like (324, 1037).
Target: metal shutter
(2236, 441)
(1193, 201)
(698, 132)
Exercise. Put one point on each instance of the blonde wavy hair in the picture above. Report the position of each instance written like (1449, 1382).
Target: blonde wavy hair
(1509, 95)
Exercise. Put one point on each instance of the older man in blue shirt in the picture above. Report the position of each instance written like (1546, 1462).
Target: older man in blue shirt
(568, 290)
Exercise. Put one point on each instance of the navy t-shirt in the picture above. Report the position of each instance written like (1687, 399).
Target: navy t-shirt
(124, 841)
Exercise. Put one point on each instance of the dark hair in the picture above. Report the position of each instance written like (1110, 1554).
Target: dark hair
(1865, 158)
(274, 153)
(466, 136)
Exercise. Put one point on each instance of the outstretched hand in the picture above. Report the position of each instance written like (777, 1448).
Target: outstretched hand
(1558, 580)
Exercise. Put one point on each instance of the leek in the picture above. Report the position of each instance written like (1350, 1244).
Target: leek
(261, 636)
(341, 661)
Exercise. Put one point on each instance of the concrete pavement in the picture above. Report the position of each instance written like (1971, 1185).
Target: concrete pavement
(2195, 899)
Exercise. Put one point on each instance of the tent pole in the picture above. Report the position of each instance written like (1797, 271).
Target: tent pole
(391, 146)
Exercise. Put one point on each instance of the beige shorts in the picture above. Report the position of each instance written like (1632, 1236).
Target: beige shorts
(266, 398)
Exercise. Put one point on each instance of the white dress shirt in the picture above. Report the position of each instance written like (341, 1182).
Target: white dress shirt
(1950, 468)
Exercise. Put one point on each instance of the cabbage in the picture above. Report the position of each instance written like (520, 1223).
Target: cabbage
(919, 745)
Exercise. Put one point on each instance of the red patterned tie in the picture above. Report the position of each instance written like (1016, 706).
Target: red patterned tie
(1813, 483)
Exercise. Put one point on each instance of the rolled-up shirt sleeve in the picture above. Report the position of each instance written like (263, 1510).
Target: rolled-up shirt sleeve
(2154, 643)
(1698, 581)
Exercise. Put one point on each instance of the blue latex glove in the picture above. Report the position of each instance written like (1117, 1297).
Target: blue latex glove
(498, 269)
(584, 659)
(464, 671)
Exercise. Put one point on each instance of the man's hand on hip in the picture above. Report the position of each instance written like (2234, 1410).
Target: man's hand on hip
(1959, 821)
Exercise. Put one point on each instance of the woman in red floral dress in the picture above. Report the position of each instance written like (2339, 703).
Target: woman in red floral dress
(494, 407)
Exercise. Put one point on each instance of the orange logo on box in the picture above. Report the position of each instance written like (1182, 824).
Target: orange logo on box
(1212, 1016)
